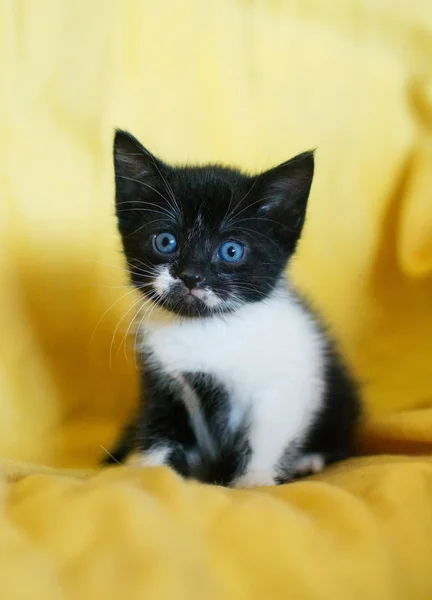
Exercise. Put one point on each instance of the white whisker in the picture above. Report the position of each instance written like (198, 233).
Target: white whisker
(146, 185)
(117, 328)
(259, 233)
(107, 311)
(109, 454)
(170, 191)
(132, 321)
(242, 200)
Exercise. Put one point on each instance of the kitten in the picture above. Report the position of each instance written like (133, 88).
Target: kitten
(242, 387)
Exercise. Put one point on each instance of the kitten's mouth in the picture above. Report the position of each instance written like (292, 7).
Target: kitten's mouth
(198, 299)
(192, 295)
(172, 294)
(191, 305)
(196, 302)
(190, 299)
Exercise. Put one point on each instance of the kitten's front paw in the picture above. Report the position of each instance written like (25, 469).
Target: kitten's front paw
(309, 464)
(155, 457)
(254, 479)
(170, 455)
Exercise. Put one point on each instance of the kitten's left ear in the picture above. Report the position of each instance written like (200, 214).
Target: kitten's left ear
(285, 191)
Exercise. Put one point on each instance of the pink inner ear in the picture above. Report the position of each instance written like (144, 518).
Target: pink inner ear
(414, 240)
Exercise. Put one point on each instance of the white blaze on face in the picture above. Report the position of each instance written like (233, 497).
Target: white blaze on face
(164, 281)
(207, 295)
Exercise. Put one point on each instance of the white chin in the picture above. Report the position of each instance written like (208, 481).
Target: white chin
(207, 297)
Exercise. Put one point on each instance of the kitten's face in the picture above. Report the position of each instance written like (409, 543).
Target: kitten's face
(205, 240)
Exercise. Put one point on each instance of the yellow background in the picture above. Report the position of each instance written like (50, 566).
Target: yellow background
(250, 83)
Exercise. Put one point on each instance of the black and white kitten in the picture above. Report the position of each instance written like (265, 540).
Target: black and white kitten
(242, 387)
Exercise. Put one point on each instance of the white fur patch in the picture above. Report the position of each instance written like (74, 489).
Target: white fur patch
(153, 458)
(208, 296)
(270, 357)
(163, 280)
(309, 463)
(254, 479)
(193, 406)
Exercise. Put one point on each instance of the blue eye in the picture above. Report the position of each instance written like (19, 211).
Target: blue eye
(231, 252)
(165, 243)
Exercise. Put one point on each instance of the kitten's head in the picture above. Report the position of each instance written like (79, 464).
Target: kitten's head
(205, 240)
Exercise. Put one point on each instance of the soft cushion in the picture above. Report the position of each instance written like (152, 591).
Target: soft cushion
(244, 82)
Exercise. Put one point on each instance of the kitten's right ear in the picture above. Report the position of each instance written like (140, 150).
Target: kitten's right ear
(133, 164)
(131, 158)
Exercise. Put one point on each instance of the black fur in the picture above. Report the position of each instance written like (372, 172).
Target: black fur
(164, 420)
(332, 433)
(265, 213)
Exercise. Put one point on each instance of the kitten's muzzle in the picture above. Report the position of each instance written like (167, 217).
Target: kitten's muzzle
(191, 280)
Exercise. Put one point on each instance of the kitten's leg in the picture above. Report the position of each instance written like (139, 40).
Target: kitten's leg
(267, 438)
(154, 457)
(331, 437)
(163, 433)
(146, 453)
(274, 459)
(252, 479)
(168, 454)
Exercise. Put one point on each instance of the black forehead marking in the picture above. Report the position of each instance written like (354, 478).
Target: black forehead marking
(207, 196)
(203, 185)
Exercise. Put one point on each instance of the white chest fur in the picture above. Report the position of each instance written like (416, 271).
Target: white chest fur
(270, 356)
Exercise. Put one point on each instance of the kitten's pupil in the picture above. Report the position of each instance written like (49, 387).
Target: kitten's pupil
(231, 251)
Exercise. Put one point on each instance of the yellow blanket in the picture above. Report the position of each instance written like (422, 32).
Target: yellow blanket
(250, 82)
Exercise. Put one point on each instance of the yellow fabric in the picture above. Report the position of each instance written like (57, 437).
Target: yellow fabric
(248, 82)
